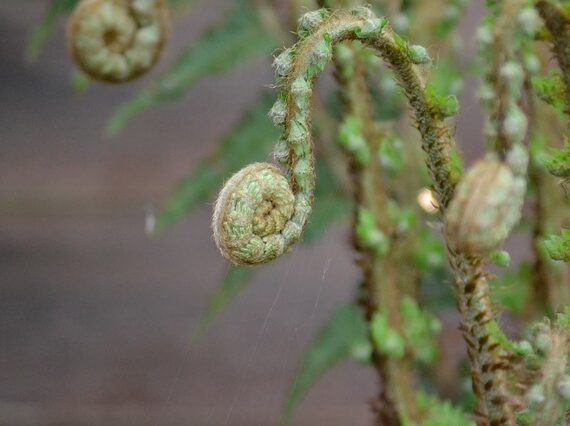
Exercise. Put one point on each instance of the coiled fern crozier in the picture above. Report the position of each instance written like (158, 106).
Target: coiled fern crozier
(117, 40)
(400, 238)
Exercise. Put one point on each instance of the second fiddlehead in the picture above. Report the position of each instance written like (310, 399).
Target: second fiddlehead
(117, 40)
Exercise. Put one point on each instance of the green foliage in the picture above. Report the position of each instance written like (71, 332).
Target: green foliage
(371, 27)
(80, 82)
(429, 253)
(390, 154)
(238, 38)
(500, 258)
(420, 329)
(231, 285)
(403, 219)
(401, 43)
(330, 204)
(419, 55)
(498, 336)
(55, 9)
(447, 77)
(440, 413)
(386, 340)
(551, 90)
(246, 143)
(345, 331)
(445, 106)
(558, 247)
(456, 164)
(512, 289)
(449, 18)
(386, 97)
(430, 260)
(563, 318)
(558, 162)
(351, 138)
(177, 4)
(368, 234)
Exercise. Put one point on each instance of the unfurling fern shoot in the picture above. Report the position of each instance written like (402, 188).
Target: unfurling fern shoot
(263, 209)
(261, 212)
(117, 40)
(296, 70)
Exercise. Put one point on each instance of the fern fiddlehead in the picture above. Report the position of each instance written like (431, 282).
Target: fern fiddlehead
(251, 213)
(488, 203)
(117, 40)
(297, 69)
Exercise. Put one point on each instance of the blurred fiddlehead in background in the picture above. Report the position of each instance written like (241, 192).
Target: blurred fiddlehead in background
(117, 40)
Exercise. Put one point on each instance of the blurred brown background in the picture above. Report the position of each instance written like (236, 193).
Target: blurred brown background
(95, 318)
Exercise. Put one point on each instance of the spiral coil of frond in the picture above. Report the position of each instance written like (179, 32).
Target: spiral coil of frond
(296, 70)
(117, 40)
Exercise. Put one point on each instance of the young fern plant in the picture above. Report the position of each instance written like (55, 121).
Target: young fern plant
(245, 228)
(261, 212)
(265, 209)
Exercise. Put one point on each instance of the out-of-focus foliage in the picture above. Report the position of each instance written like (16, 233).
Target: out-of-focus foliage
(331, 205)
(420, 329)
(559, 246)
(386, 339)
(500, 258)
(55, 9)
(418, 335)
(550, 89)
(236, 39)
(558, 162)
(250, 140)
(512, 289)
(235, 279)
(440, 413)
(345, 331)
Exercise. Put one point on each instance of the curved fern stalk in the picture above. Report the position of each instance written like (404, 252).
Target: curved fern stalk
(116, 41)
(248, 231)
(240, 226)
(486, 208)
